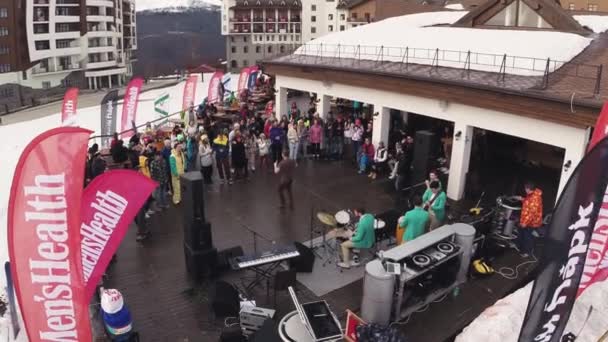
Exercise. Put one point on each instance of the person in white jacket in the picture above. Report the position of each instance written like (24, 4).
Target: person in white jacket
(380, 160)
(205, 153)
(263, 149)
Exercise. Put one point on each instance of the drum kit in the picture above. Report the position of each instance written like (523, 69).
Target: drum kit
(343, 219)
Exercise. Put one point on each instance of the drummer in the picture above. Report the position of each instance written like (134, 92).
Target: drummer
(345, 221)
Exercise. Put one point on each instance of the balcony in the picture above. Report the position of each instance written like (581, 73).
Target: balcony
(68, 3)
(40, 70)
(99, 18)
(242, 19)
(97, 64)
(100, 3)
(41, 2)
(295, 19)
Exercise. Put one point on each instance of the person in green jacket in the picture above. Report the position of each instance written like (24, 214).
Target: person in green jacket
(364, 237)
(415, 221)
(434, 200)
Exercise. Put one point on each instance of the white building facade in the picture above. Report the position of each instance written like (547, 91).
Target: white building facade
(97, 37)
(260, 29)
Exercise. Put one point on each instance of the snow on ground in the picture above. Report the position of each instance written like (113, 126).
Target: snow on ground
(597, 23)
(527, 51)
(457, 7)
(147, 5)
(16, 136)
(502, 321)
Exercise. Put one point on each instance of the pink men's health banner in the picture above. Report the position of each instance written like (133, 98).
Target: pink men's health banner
(109, 204)
(129, 106)
(68, 109)
(243, 77)
(215, 85)
(44, 236)
(189, 92)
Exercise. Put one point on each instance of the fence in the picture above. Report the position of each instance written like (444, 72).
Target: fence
(401, 59)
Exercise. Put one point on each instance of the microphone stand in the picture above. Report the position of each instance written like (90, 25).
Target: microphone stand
(255, 237)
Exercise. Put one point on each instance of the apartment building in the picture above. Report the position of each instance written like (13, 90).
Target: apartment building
(585, 5)
(48, 45)
(257, 29)
(320, 17)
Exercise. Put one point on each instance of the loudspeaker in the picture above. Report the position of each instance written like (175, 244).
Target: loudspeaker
(200, 262)
(226, 302)
(193, 206)
(303, 263)
(197, 234)
(423, 150)
(224, 256)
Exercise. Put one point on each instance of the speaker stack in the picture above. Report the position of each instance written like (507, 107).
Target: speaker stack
(200, 255)
(423, 150)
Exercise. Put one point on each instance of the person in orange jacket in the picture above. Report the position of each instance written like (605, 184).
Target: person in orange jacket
(531, 218)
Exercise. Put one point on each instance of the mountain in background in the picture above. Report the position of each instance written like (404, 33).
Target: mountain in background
(175, 5)
(178, 37)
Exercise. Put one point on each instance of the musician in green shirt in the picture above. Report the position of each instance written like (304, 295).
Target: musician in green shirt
(364, 237)
(434, 201)
(415, 221)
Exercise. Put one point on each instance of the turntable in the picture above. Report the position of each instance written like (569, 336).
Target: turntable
(447, 247)
(418, 262)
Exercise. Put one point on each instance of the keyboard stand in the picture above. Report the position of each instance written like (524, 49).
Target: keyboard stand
(262, 272)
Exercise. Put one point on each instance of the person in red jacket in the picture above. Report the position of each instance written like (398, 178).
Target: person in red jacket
(367, 153)
(531, 218)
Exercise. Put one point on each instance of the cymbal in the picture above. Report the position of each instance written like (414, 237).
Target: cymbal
(327, 219)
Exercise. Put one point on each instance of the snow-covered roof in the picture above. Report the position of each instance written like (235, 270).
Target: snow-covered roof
(457, 7)
(597, 23)
(526, 50)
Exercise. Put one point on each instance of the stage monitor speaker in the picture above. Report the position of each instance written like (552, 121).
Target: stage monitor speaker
(193, 204)
(224, 256)
(423, 152)
(197, 234)
(226, 301)
(305, 262)
(200, 263)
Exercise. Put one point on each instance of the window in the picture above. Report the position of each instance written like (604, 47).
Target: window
(267, 38)
(232, 39)
(245, 49)
(330, 28)
(269, 49)
(245, 39)
(592, 7)
(46, 85)
(3, 31)
(313, 7)
(24, 75)
(3, 12)
(258, 49)
(330, 17)
(354, 15)
(571, 6)
(341, 27)
(65, 43)
(233, 64)
(4, 50)
(5, 68)
(313, 19)
(297, 38)
(342, 17)
(42, 45)
(233, 49)
(272, 37)
(245, 63)
(280, 37)
(282, 49)
(6, 92)
(313, 30)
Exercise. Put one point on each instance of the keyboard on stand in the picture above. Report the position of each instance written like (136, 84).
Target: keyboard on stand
(263, 265)
(276, 255)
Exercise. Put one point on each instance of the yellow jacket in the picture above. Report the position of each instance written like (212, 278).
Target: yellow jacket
(143, 166)
(177, 163)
